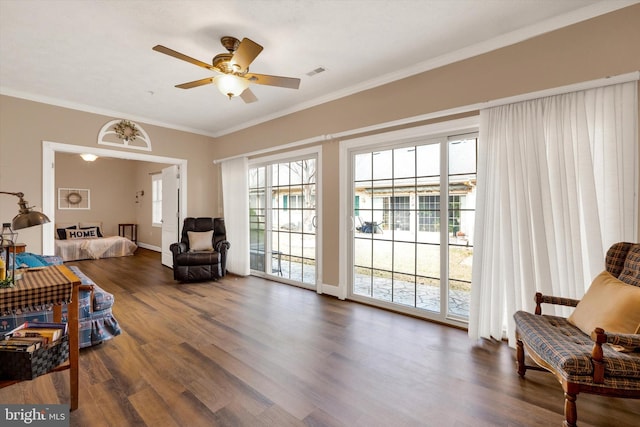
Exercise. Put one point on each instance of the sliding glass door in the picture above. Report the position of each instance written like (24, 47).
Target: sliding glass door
(283, 220)
(414, 210)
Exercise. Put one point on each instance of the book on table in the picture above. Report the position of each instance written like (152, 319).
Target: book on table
(21, 344)
(50, 325)
(50, 335)
(31, 336)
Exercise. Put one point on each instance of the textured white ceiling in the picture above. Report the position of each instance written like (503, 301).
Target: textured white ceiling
(96, 55)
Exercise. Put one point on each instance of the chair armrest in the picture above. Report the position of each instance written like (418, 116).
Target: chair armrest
(178, 248)
(88, 288)
(597, 357)
(624, 340)
(222, 246)
(599, 337)
(548, 299)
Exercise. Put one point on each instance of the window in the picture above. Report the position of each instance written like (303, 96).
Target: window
(429, 213)
(156, 200)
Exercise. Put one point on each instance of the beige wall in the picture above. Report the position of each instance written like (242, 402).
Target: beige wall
(25, 124)
(603, 46)
(113, 184)
(112, 191)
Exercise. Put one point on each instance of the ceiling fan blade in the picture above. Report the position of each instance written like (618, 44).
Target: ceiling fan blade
(196, 83)
(171, 52)
(248, 97)
(247, 51)
(263, 79)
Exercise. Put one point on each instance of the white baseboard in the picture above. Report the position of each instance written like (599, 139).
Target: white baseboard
(150, 247)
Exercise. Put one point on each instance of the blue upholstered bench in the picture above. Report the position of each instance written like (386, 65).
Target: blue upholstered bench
(97, 323)
(581, 362)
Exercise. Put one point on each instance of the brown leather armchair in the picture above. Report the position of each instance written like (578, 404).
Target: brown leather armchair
(197, 260)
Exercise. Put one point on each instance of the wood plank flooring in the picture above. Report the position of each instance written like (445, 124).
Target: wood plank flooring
(250, 352)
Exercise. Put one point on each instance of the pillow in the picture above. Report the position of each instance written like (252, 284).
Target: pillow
(62, 232)
(200, 240)
(66, 224)
(30, 260)
(609, 304)
(89, 228)
(90, 233)
(96, 224)
(87, 225)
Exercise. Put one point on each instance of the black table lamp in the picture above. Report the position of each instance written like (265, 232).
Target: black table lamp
(26, 217)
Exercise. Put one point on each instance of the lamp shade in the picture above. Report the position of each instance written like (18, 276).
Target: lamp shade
(87, 157)
(29, 219)
(230, 85)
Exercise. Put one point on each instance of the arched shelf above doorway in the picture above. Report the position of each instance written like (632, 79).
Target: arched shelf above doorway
(124, 133)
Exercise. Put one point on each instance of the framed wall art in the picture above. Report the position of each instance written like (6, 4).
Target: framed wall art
(74, 198)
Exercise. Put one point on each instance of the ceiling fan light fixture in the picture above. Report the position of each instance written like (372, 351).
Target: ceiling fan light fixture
(230, 85)
(234, 69)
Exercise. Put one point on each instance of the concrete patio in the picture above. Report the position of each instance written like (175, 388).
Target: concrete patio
(421, 296)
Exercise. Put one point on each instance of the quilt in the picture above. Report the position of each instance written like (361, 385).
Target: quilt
(104, 247)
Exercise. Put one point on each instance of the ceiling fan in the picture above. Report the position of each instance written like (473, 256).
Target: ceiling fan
(234, 78)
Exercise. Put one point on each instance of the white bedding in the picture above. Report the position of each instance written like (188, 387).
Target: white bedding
(104, 247)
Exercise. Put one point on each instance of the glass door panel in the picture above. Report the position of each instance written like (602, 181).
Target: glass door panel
(412, 243)
(284, 240)
(257, 219)
(461, 219)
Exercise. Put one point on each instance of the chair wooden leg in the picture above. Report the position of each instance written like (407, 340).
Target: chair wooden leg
(570, 410)
(522, 368)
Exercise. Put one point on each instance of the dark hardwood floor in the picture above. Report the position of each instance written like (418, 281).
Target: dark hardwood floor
(250, 352)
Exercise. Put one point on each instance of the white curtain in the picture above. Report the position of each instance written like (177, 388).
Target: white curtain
(557, 180)
(235, 198)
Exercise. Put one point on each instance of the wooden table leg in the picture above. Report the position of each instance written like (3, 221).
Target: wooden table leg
(57, 313)
(74, 344)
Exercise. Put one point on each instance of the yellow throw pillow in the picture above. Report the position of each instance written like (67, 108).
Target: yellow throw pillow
(200, 240)
(608, 304)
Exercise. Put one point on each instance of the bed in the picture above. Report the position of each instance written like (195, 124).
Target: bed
(81, 241)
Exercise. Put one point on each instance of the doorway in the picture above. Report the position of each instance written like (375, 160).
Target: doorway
(170, 184)
(412, 246)
(407, 218)
(49, 149)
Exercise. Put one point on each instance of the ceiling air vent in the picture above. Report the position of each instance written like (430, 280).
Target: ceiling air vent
(316, 71)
